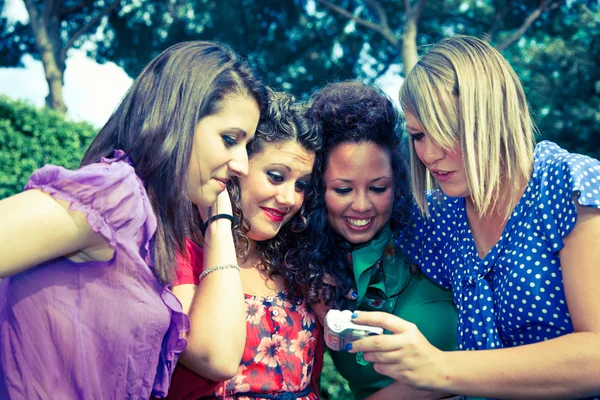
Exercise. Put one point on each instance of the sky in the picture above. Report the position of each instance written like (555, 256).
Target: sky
(92, 91)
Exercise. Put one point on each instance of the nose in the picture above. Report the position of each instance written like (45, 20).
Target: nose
(361, 202)
(431, 152)
(287, 195)
(238, 165)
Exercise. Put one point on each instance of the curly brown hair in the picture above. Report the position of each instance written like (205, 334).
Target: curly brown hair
(347, 112)
(285, 120)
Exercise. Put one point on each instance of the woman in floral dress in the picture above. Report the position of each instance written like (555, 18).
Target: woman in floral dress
(282, 337)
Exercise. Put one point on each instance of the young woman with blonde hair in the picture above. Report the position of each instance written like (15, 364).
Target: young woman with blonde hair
(510, 226)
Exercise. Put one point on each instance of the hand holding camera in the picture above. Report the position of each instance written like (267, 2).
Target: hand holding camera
(340, 330)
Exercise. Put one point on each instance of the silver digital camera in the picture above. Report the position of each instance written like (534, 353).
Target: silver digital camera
(340, 330)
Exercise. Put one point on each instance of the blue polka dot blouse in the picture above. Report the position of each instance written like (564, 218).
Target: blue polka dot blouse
(514, 295)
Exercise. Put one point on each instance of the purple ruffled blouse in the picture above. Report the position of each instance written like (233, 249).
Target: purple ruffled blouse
(92, 330)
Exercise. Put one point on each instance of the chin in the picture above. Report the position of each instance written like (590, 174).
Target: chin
(454, 191)
(261, 236)
(204, 202)
(204, 199)
(359, 238)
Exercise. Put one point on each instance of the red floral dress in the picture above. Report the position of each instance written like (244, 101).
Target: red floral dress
(282, 358)
(281, 342)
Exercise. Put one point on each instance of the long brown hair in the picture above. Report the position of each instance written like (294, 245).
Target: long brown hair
(155, 124)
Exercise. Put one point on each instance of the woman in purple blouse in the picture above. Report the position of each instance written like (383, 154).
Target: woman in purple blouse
(87, 256)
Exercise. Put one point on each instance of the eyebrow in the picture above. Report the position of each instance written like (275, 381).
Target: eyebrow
(237, 131)
(372, 180)
(281, 165)
(411, 128)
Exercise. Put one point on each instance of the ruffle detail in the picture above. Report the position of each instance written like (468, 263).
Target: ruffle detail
(173, 344)
(102, 191)
(562, 176)
(116, 206)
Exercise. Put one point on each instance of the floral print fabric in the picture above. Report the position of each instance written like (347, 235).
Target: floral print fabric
(281, 342)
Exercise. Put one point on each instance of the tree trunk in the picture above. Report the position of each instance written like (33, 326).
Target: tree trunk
(409, 45)
(54, 68)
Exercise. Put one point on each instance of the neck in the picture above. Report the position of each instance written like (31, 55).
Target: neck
(487, 226)
(503, 208)
(252, 256)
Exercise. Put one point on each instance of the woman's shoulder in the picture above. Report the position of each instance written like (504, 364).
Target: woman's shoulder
(562, 175)
(554, 162)
(560, 181)
(109, 192)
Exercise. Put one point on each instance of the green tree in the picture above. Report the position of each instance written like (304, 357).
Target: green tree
(31, 138)
(54, 27)
(561, 74)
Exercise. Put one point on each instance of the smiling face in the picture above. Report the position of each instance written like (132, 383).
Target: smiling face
(445, 166)
(219, 149)
(273, 191)
(359, 190)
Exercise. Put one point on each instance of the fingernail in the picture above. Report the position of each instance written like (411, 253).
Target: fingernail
(354, 314)
(354, 295)
(348, 346)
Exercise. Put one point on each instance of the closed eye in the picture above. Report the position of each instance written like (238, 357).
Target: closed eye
(301, 186)
(229, 140)
(342, 190)
(417, 136)
(275, 177)
(378, 189)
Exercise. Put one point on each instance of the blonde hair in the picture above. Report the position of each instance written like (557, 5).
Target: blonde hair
(462, 90)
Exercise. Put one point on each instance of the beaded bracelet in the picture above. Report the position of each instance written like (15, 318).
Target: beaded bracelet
(215, 268)
(214, 218)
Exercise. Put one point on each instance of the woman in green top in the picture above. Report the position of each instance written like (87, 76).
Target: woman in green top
(350, 261)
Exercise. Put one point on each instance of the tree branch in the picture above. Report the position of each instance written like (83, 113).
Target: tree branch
(86, 27)
(77, 8)
(544, 6)
(381, 15)
(382, 28)
(499, 17)
(418, 10)
(50, 8)
(409, 34)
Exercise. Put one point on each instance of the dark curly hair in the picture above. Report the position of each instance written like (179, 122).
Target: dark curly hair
(347, 112)
(285, 120)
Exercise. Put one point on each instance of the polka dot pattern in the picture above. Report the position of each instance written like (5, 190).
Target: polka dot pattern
(514, 295)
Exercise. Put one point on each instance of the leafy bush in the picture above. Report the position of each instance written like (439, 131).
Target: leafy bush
(31, 138)
(333, 386)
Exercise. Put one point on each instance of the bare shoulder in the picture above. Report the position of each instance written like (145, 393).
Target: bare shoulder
(585, 213)
(38, 228)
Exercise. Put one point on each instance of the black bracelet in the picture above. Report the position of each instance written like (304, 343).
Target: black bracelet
(214, 218)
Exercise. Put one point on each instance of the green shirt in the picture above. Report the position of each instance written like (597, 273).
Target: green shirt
(384, 282)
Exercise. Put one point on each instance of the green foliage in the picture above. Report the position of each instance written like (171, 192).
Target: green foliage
(30, 139)
(561, 75)
(63, 19)
(333, 386)
(292, 49)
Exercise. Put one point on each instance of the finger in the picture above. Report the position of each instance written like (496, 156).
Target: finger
(384, 357)
(223, 205)
(377, 343)
(384, 320)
